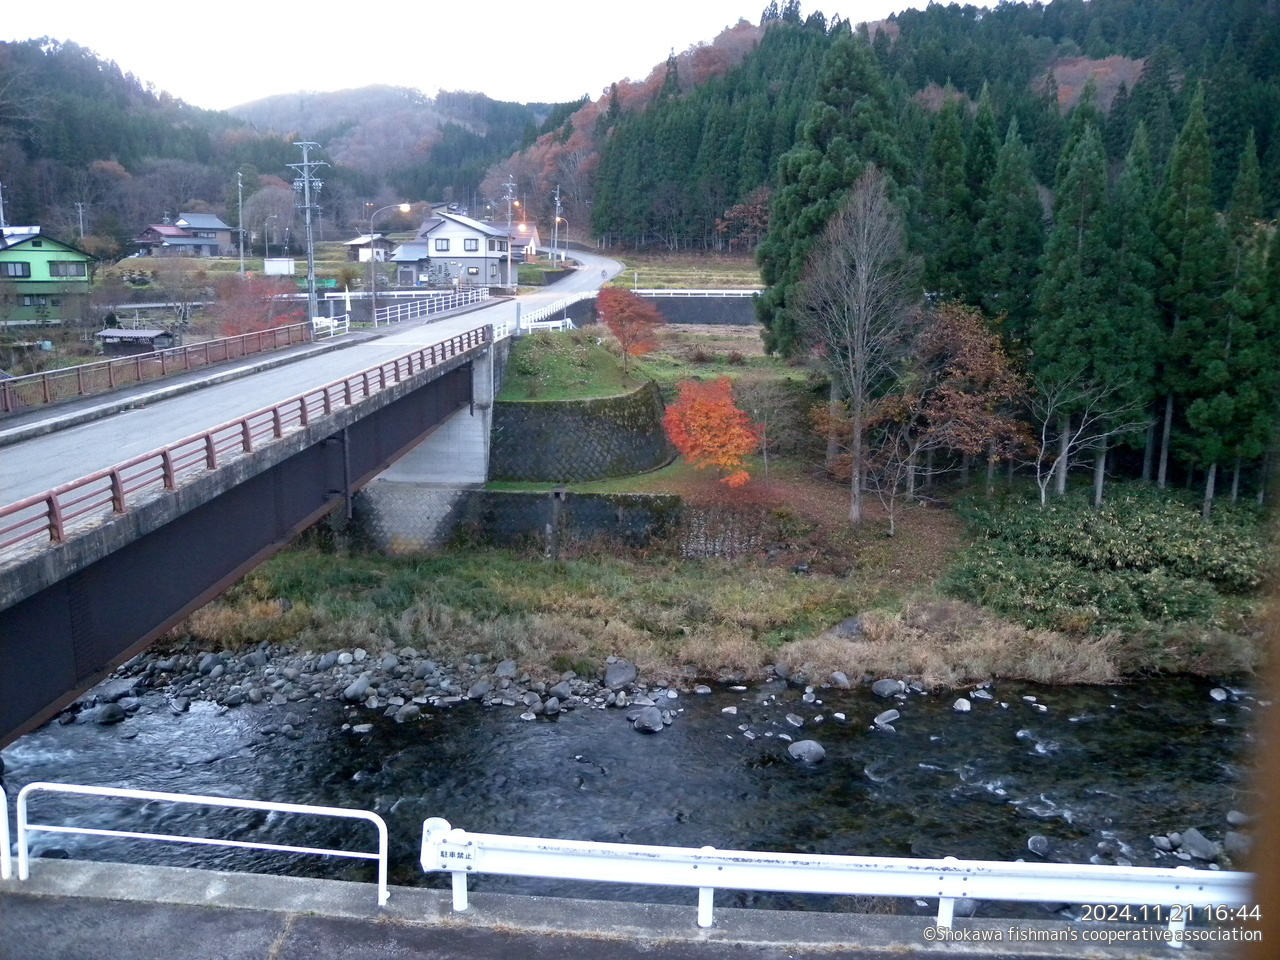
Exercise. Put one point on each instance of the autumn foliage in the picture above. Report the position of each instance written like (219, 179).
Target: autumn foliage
(710, 431)
(249, 304)
(633, 320)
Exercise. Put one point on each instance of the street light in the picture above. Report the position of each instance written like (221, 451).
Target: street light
(555, 237)
(373, 263)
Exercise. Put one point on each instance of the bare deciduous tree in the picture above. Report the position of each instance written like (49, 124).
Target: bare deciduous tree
(856, 303)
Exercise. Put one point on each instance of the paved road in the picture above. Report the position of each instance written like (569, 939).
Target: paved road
(42, 463)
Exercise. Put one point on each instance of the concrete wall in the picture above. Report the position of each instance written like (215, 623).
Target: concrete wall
(730, 311)
(576, 440)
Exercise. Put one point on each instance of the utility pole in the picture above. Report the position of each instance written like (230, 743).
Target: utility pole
(306, 183)
(509, 197)
(3, 222)
(80, 210)
(240, 216)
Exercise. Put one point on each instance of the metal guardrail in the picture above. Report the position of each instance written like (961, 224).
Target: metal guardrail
(399, 312)
(543, 313)
(24, 827)
(707, 869)
(51, 516)
(749, 292)
(330, 326)
(6, 866)
(88, 379)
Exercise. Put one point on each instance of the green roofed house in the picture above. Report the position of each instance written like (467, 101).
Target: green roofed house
(42, 280)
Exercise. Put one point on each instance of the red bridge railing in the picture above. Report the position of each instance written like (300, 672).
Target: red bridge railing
(38, 389)
(51, 516)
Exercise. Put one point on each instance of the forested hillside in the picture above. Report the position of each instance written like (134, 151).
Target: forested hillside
(80, 136)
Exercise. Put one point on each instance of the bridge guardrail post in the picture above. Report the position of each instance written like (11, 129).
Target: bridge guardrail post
(6, 864)
(706, 902)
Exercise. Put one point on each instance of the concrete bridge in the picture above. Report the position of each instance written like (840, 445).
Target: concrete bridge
(167, 496)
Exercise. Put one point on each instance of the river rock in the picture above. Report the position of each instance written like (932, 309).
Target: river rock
(258, 658)
(1237, 819)
(1219, 694)
(648, 720)
(113, 690)
(618, 675)
(982, 695)
(506, 670)
(357, 690)
(1038, 845)
(327, 661)
(180, 704)
(840, 679)
(1199, 846)
(109, 713)
(1162, 844)
(561, 690)
(782, 670)
(731, 711)
(807, 751)
(702, 688)
(888, 688)
(794, 720)
(389, 663)
(479, 689)
(361, 727)
(208, 662)
(409, 711)
(885, 718)
(358, 654)
(344, 659)
(551, 706)
(1237, 845)
(962, 705)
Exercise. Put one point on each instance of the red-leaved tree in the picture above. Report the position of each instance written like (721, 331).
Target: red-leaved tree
(249, 304)
(633, 320)
(707, 427)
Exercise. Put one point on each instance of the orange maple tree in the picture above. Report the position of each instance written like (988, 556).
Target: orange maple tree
(707, 427)
(633, 320)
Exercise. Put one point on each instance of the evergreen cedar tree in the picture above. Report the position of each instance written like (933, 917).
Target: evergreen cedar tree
(709, 430)
(633, 321)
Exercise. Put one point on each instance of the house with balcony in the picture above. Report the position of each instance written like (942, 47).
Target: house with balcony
(450, 248)
(42, 280)
(191, 235)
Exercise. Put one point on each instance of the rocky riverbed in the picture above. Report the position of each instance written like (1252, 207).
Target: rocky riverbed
(1145, 774)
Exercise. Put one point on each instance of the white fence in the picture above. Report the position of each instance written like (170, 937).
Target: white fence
(330, 326)
(25, 828)
(708, 869)
(6, 867)
(699, 293)
(399, 312)
(543, 314)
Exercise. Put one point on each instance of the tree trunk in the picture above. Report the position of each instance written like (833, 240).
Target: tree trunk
(991, 470)
(1235, 482)
(1149, 453)
(965, 462)
(1264, 477)
(833, 404)
(1099, 473)
(1064, 447)
(1207, 510)
(855, 481)
(928, 469)
(911, 476)
(1009, 474)
(1162, 476)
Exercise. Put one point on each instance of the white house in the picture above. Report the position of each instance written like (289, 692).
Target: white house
(450, 248)
(368, 247)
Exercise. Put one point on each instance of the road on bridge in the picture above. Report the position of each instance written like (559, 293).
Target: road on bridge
(42, 463)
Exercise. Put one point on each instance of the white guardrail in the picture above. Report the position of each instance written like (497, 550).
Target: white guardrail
(399, 312)
(539, 319)
(24, 828)
(330, 326)
(708, 869)
(699, 293)
(6, 867)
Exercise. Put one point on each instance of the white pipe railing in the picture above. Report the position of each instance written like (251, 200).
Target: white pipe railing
(24, 827)
(6, 867)
(751, 292)
(541, 314)
(399, 312)
(462, 853)
(330, 326)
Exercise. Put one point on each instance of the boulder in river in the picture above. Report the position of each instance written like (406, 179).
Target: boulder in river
(505, 670)
(109, 713)
(479, 689)
(886, 718)
(962, 705)
(551, 707)
(807, 751)
(357, 690)
(888, 688)
(1038, 845)
(618, 675)
(1199, 846)
(648, 720)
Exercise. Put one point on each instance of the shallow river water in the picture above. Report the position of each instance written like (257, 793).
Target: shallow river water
(1111, 765)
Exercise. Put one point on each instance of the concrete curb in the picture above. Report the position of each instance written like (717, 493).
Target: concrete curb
(130, 397)
(596, 919)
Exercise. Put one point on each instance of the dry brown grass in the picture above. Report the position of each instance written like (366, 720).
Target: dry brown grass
(687, 271)
(950, 644)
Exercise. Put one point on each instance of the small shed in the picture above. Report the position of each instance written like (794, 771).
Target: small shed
(126, 343)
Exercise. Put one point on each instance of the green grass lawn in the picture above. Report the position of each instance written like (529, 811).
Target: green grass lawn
(564, 366)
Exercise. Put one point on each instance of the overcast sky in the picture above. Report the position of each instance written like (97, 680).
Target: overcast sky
(222, 54)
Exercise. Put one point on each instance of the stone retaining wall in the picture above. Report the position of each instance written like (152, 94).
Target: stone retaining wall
(577, 440)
